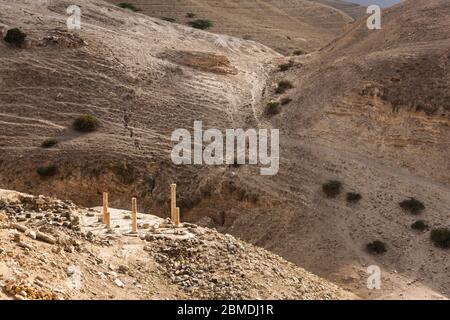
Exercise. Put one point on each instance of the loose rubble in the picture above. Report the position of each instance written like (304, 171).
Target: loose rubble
(52, 249)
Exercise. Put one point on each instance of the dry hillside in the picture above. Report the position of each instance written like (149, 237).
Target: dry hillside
(285, 26)
(370, 109)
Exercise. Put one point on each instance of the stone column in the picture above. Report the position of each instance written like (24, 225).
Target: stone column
(177, 217)
(173, 201)
(105, 207)
(133, 215)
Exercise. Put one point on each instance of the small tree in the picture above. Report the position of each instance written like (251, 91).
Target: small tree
(86, 123)
(15, 36)
(332, 188)
(190, 15)
(412, 205)
(441, 237)
(201, 24)
(377, 247)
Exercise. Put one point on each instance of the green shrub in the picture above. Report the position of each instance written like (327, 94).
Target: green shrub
(283, 86)
(15, 36)
(86, 123)
(353, 197)
(190, 15)
(412, 205)
(441, 237)
(48, 143)
(285, 101)
(332, 188)
(168, 19)
(273, 108)
(201, 24)
(48, 171)
(129, 6)
(377, 247)
(419, 225)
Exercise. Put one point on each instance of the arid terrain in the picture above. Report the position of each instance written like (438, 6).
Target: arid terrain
(368, 108)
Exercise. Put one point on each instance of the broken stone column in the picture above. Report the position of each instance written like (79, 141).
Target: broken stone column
(105, 212)
(133, 215)
(173, 203)
(177, 217)
(105, 206)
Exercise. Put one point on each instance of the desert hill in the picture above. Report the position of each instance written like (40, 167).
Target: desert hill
(286, 26)
(370, 109)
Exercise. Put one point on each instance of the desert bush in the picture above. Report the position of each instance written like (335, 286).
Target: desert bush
(353, 197)
(47, 171)
(377, 247)
(332, 188)
(168, 19)
(419, 225)
(15, 36)
(190, 15)
(441, 237)
(283, 86)
(285, 66)
(86, 123)
(412, 205)
(298, 52)
(48, 143)
(201, 24)
(273, 108)
(285, 101)
(129, 6)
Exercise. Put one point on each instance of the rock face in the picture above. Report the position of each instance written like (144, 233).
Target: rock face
(165, 264)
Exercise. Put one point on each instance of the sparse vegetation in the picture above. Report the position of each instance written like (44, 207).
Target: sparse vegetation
(86, 123)
(168, 19)
(47, 171)
(285, 101)
(298, 52)
(48, 143)
(412, 205)
(419, 225)
(283, 86)
(441, 237)
(15, 36)
(332, 188)
(376, 247)
(353, 197)
(201, 24)
(190, 15)
(285, 66)
(129, 6)
(273, 108)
